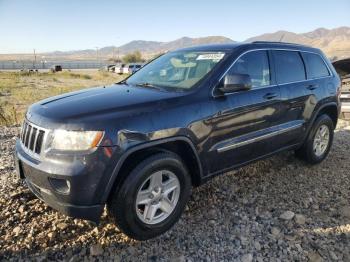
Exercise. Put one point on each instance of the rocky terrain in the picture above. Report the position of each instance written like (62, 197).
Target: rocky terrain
(274, 210)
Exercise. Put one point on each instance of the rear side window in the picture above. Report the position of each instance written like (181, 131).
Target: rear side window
(289, 66)
(315, 66)
(256, 65)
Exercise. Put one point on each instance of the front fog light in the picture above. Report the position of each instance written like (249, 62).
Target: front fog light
(60, 185)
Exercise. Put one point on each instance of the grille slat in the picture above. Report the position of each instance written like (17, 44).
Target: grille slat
(29, 130)
(39, 142)
(24, 131)
(32, 138)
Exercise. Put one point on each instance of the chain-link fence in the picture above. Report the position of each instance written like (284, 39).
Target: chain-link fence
(19, 65)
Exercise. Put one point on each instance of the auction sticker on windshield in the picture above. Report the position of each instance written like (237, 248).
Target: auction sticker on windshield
(211, 56)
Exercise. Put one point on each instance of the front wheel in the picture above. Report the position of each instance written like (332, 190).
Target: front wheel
(152, 197)
(319, 141)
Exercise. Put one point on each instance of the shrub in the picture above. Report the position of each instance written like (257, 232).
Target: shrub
(133, 57)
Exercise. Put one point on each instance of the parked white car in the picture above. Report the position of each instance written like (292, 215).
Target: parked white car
(131, 68)
(119, 68)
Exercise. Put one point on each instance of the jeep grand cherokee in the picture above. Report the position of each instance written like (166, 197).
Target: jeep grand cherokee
(140, 145)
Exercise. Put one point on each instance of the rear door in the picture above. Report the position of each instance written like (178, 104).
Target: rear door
(319, 77)
(295, 93)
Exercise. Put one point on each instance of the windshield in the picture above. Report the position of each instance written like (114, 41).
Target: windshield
(176, 70)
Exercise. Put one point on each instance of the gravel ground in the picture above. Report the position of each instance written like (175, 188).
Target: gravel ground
(274, 210)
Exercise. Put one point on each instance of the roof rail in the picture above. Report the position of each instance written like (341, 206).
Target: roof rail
(274, 42)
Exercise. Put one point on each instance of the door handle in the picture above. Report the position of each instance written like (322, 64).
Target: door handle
(269, 96)
(312, 86)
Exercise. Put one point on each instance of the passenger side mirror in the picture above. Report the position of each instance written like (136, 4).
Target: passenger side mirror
(235, 82)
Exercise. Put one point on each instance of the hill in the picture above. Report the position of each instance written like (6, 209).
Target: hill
(334, 42)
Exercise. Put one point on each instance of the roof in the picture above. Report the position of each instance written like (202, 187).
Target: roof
(261, 44)
(212, 47)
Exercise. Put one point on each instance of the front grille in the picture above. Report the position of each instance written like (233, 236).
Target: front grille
(32, 138)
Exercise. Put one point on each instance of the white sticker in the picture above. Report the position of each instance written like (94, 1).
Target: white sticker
(213, 56)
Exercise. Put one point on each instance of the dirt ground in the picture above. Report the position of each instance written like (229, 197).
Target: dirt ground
(279, 209)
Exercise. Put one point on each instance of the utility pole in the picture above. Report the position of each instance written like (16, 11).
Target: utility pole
(43, 62)
(281, 38)
(34, 61)
(97, 58)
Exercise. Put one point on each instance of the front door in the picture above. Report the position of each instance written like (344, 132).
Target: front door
(245, 124)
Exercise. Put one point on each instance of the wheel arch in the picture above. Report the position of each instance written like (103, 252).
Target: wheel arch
(330, 108)
(181, 146)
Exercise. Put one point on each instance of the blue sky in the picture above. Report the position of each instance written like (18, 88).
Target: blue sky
(84, 24)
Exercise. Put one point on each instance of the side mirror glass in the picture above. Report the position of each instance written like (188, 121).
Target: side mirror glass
(235, 82)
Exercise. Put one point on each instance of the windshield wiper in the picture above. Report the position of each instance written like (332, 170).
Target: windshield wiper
(146, 84)
(123, 82)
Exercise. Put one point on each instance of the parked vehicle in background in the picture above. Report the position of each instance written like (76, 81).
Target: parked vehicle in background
(56, 68)
(131, 68)
(119, 68)
(110, 68)
(345, 97)
(342, 67)
(139, 146)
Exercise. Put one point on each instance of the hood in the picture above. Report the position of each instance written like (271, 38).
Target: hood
(89, 103)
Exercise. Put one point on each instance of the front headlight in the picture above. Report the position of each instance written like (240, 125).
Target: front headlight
(75, 140)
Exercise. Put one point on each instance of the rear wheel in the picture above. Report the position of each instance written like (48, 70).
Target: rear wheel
(319, 141)
(152, 197)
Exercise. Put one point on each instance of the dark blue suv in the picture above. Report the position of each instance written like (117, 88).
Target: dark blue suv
(140, 145)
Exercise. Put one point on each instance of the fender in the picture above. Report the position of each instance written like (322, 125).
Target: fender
(131, 150)
(315, 114)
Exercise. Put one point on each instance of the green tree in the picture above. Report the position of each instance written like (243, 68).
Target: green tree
(133, 57)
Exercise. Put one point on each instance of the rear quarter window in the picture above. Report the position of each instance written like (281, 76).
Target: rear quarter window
(289, 66)
(315, 66)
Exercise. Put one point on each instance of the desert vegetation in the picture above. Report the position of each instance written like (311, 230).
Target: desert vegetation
(20, 89)
(133, 57)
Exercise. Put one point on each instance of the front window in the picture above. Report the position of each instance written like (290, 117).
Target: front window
(256, 65)
(176, 70)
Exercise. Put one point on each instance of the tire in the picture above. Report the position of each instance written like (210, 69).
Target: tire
(307, 151)
(133, 219)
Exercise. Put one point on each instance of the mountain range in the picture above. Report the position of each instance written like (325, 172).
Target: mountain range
(334, 42)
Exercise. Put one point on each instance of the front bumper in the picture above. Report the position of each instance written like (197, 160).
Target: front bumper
(72, 185)
(92, 213)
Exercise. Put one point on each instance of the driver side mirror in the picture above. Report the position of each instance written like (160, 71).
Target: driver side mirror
(235, 83)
